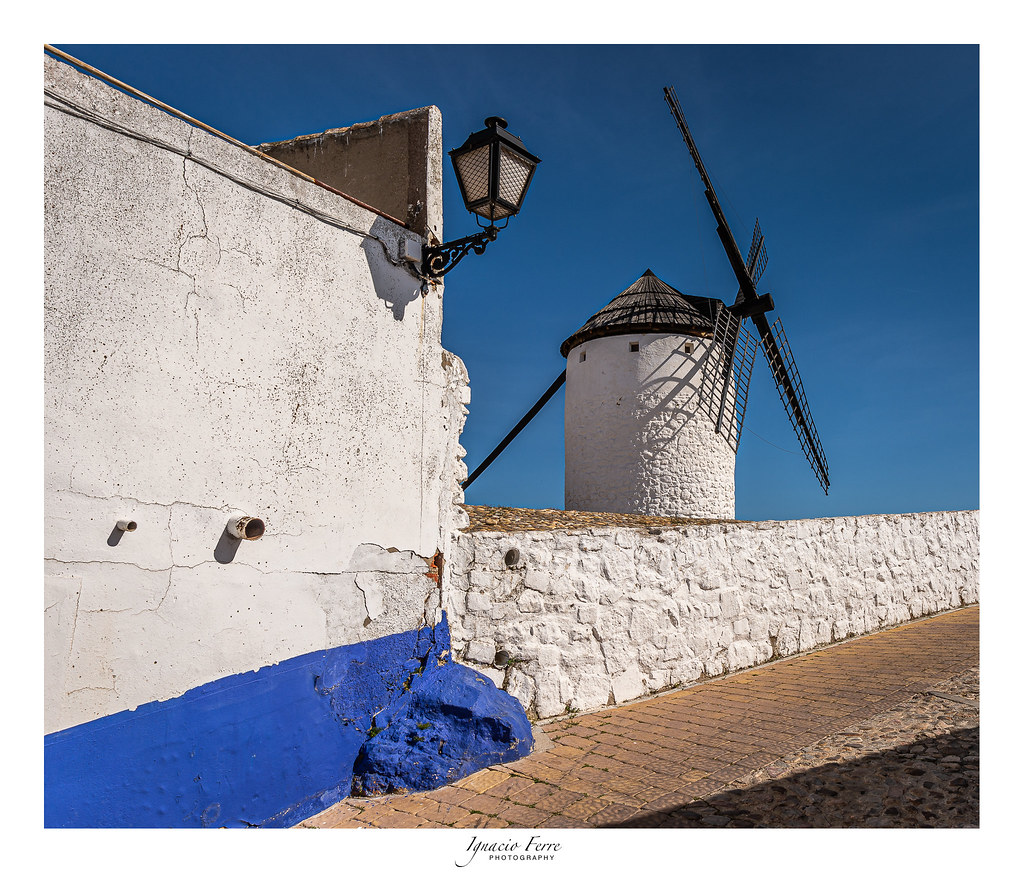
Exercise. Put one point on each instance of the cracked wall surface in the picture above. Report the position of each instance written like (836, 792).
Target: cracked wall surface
(592, 617)
(214, 350)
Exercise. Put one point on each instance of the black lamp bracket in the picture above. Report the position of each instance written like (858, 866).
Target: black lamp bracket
(438, 260)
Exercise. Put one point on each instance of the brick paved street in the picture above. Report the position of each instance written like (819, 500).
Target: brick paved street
(655, 762)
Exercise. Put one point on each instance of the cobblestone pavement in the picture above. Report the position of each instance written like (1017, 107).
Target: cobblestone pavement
(916, 765)
(852, 735)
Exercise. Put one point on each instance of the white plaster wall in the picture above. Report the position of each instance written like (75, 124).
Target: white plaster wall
(593, 617)
(211, 350)
(635, 438)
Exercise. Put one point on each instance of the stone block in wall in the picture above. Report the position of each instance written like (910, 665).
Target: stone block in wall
(619, 655)
(585, 659)
(685, 672)
(741, 654)
(612, 625)
(502, 611)
(643, 624)
(521, 686)
(628, 684)
(619, 567)
(478, 601)
(592, 693)
(538, 580)
(549, 655)
(557, 606)
(579, 634)
(659, 677)
(511, 636)
(625, 539)
(654, 564)
(651, 654)
(481, 651)
(495, 675)
(462, 558)
(456, 598)
(610, 593)
(481, 580)
(548, 700)
(562, 586)
(800, 604)
(732, 605)
(713, 667)
(550, 633)
(706, 580)
(787, 642)
(506, 584)
(586, 588)
(530, 602)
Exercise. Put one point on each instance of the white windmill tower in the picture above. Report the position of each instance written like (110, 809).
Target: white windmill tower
(648, 429)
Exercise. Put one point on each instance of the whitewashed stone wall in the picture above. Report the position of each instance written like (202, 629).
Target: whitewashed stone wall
(635, 439)
(592, 617)
(213, 348)
(454, 410)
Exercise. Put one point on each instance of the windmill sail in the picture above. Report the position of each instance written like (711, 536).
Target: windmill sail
(757, 257)
(791, 390)
(747, 290)
(750, 304)
(725, 381)
(732, 337)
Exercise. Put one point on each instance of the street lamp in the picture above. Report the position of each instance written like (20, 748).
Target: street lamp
(493, 170)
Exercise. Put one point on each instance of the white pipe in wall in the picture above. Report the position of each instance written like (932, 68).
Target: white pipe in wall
(246, 527)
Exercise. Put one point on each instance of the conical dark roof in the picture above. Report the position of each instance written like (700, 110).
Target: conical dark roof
(649, 306)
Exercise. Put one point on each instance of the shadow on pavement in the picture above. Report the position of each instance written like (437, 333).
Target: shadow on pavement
(931, 787)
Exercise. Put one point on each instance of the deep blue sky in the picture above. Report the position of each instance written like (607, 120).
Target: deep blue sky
(862, 163)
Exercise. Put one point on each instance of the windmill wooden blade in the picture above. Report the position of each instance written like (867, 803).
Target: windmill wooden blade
(750, 304)
(757, 257)
(779, 356)
(725, 379)
(747, 291)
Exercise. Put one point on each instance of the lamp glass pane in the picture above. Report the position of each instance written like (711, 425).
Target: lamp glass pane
(513, 176)
(472, 168)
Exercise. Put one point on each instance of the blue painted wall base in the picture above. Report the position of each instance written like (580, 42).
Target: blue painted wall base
(272, 747)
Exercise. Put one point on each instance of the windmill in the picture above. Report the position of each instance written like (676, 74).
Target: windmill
(632, 441)
(731, 345)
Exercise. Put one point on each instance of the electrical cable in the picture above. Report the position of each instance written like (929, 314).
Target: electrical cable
(76, 110)
(170, 110)
(755, 433)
